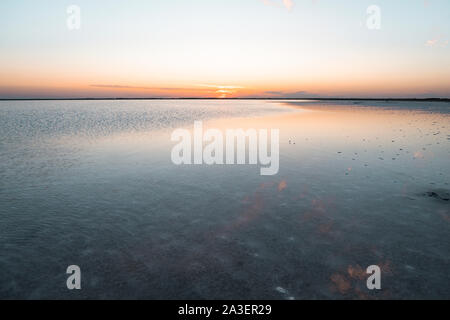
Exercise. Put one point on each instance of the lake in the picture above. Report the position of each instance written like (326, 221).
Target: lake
(91, 183)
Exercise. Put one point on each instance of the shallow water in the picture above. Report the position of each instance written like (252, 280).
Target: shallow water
(91, 183)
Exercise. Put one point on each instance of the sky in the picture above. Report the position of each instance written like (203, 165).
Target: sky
(225, 48)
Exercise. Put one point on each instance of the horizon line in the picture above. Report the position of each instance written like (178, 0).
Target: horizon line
(213, 98)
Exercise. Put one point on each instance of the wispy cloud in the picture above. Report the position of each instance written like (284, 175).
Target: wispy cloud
(115, 86)
(431, 43)
(275, 93)
(288, 4)
(290, 94)
(220, 86)
(436, 43)
(438, 39)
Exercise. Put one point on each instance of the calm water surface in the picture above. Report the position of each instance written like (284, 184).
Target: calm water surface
(91, 183)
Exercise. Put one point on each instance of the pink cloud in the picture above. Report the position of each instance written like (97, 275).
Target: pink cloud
(436, 43)
(289, 4)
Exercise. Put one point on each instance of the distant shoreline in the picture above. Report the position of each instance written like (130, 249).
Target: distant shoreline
(224, 99)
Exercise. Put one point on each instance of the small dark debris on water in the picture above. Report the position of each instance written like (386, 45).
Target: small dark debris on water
(439, 194)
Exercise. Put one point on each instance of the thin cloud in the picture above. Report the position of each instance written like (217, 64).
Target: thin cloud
(288, 4)
(438, 39)
(431, 43)
(273, 92)
(220, 86)
(436, 43)
(289, 94)
(115, 86)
